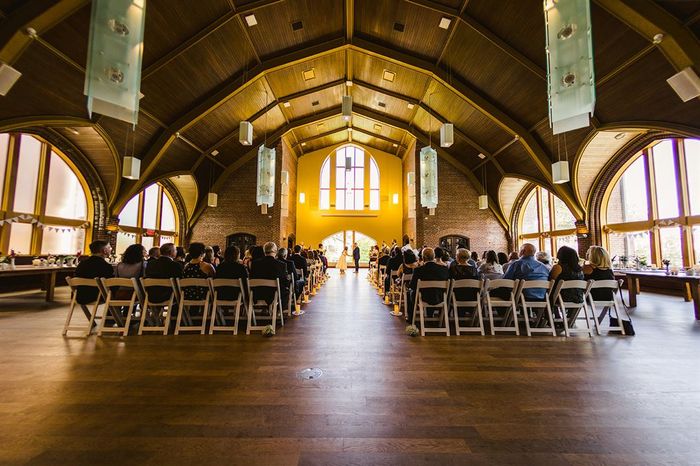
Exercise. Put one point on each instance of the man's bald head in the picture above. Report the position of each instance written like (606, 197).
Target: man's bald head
(428, 254)
(527, 250)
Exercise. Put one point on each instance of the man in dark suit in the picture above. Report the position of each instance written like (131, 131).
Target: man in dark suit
(94, 266)
(429, 271)
(163, 267)
(232, 268)
(300, 262)
(291, 270)
(356, 256)
(269, 268)
(395, 261)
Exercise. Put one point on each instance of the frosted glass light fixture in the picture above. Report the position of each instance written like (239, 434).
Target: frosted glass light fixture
(302, 198)
(115, 51)
(483, 202)
(245, 133)
(428, 177)
(395, 198)
(560, 172)
(212, 200)
(447, 135)
(266, 177)
(347, 107)
(131, 167)
(570, 72)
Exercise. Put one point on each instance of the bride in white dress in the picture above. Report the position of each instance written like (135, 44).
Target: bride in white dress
(343, 261)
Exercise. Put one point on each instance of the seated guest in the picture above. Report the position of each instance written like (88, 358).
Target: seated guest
(512, 257)
(475, 258)
(410, 263)
(180, 255)
(462, 269)
(218, 258)
(153, 254)
(132, 264)
(197, 268)
(291, 270)
(439, 255)
(324, 260)
(545, 258)
(269, 268)
(209, 256)
(232, 268)
(446, 258)
(429, 271)
(164, 267)
(490, 268)
(395, 261)
(567, 268)
(248, 257)
(299, 262)
(528, 268)
(256, 252)
(95, 266)
(599, 267)
(502, 258)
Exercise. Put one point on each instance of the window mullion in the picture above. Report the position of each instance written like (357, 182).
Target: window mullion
(683, 202)
(42, 187)
(139, 216)
(8, 196)
(652, 212)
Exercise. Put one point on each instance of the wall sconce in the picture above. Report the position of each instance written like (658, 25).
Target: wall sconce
(395, 198)
(302, 198)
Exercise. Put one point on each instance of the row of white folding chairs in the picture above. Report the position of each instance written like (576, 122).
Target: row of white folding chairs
(533, 312)
(156, 315)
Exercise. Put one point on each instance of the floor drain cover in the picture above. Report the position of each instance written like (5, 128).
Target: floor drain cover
(312, 373)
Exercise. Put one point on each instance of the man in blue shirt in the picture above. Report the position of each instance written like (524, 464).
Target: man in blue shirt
(528, 268)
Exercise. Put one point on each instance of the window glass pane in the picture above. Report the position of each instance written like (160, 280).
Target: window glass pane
(545, 211)
(325, 199)
(530, 224)
(373, 175)
(630, 245)
(21, 238)
(167, 222)
(359, 199)
(326, 174)
(562, 216)
(696, 243)
(4, 146)
(569, 240)
(359, 157)
(547, 245)
(340, 199)
(65, 241)
(692, 163)
(129, 214)
(27, 173)
(628, 200)
(65, 197)
(166, 239)
(340, 158)
(374, 199)
(359, 178)
(671, 245)
(349, 200)
(147, 242)
(334, 245)
(123, 242)
(150, 206)
(666, 182)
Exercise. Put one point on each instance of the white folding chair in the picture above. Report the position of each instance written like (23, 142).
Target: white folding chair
(113, 305)
(380, 280)
(394, 289)
(255, 286)
(535, 311)
(81, 284)
(571, 310)
(509, 287)
(231, 288)
(403, 296)
(185, 285)
(422, 307)
(156, 313)
(476, 318)
(606, 305)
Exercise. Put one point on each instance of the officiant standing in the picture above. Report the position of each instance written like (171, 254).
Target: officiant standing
(356, 256)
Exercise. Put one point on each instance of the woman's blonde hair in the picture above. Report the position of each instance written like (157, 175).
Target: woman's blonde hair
(598, 257)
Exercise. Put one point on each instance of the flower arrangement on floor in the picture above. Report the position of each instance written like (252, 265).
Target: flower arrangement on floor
(268, 331)
(412, 331)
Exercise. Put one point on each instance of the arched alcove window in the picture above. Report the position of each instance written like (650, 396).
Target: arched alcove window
(349, 180)
(44, 206)
(149, 218)
(651, 210)
(547, 222)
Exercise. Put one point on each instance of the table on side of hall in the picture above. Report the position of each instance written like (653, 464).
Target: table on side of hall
(690, 284)
(48, 273)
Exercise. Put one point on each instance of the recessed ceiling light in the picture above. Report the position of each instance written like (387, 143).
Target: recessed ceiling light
(315, 103)
(215, 152)
(381, 104)
(620, 136)
(377, 127)
(445, 22)
(303, 144)
(395, 145)
(251, 20)
(287, 104)
(481, 156)
(410, 106)
(399, 27)
(349, 130)
(388, 76)
(309, 74)
(297, 25)
(348, 83)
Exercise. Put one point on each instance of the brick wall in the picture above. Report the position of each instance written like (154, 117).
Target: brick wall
(458, 213)
(288, 223)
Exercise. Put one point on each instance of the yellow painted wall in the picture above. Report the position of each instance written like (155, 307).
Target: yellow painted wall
(314, 225)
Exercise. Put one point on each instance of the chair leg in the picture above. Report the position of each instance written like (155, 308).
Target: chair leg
(178, 323)
(490, 310)
(456, 320)
(105, 311)
(93, 315)
(205, 314)
(237, 317)
(447, 318)
(596, 324)
(213, 317)
(422, 319)
(481, 317)
(69, 317)
(619, 317)
(551, 319)
(526, 317)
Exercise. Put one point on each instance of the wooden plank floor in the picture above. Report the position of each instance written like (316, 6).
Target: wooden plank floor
(384, 398)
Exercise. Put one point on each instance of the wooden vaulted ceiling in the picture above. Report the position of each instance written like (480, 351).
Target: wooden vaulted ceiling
(205, 70)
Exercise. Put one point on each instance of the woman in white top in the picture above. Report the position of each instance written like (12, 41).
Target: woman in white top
(490, 268)
(343, 261)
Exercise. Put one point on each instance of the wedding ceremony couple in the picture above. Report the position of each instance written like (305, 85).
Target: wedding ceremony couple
(343, 260)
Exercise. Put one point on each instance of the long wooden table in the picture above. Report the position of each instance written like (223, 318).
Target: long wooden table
(690, 283)
(48, 273)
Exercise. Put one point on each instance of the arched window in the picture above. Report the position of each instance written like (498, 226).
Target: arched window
(547, 222)
(351, 179)
(652, 208)
(149, 218)
(43, 202)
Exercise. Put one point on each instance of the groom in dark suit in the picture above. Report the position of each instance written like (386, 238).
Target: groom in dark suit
(356, 256)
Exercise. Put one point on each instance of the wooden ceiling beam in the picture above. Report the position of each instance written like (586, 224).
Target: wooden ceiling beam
(41, 15)
(679, 45)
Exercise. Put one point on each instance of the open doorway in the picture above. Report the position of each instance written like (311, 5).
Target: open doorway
(335, 243)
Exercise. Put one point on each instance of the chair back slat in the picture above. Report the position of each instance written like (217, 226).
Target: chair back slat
(120, 282)
(501, 283)
(193, 282)
(536, 284)
(467, 283)
(262, 283)
(574, 284)
(433, 284)
(76, 281)
(226, 283)
(600, 284)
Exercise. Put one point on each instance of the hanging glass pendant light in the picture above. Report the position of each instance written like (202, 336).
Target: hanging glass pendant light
(115, 51)
(447, 135)
(347, 107)
(428, 176)
(266, 177)
(570, 73)
(245, 133)
(131, 167)
(212, 200)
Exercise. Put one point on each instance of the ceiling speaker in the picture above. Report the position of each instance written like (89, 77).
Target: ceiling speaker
(8, 78)
(686, 84)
